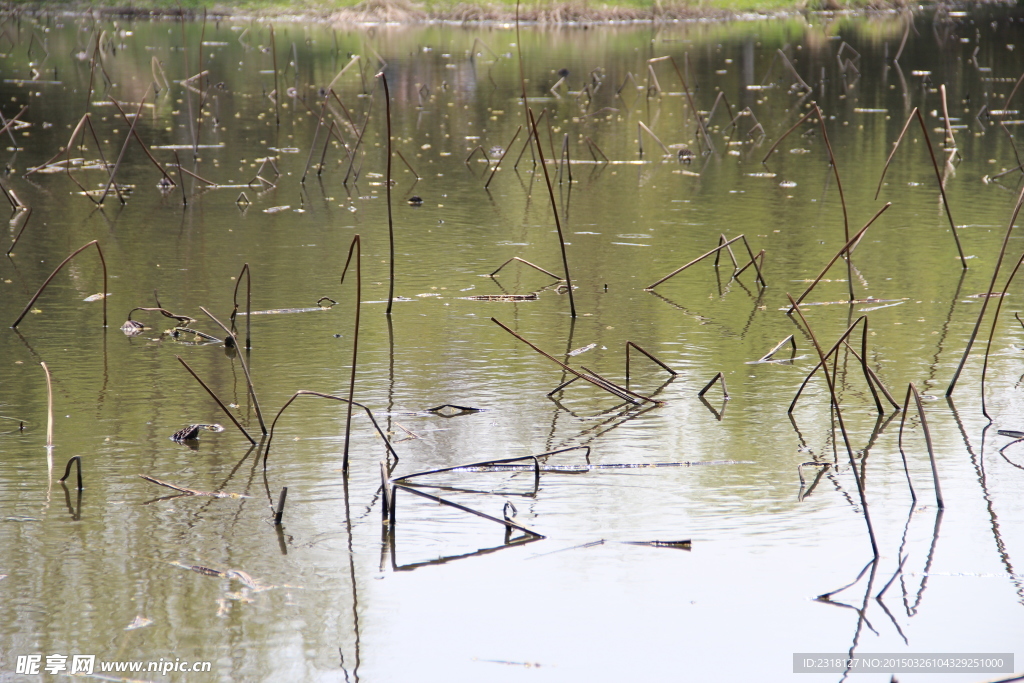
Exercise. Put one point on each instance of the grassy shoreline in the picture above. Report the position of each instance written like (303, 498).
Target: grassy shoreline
(551, 12)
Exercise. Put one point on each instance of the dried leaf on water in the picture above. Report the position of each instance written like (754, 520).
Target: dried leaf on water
(138, 622)
(132, 328)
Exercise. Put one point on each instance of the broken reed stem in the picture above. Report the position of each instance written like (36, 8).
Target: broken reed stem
(647, 353)
(642, 127)
(391, 224)
(312, 143)
(928, 443)
(56, 270)
(76, 460)
(280, 506)
(693, 107)
(991, 289)
(245, 369)
(842, 426)
(442, 501)
(49, 407)
(791, 339)
(247, 272)
(903, 455)
(120, 157)
(141, 143)
(24, 224)
(484, 463)
(868, 374)
(217, 400)
(873, 380)
(945, 114)
(358, 142)
(355, 247)
(277, 95)
(755, 261)
(554, 211)
(387, 493)
(696, 260)
(596, 382)
(717, 378)
(407, 164)
(304, 392)
(847, 248)
(992, 331)
(502, 157)
(181, 181)
(938, 175)
(532, 265)
(617, 387)
(327, 143)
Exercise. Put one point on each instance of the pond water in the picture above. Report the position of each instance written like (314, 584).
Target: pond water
(130, 571)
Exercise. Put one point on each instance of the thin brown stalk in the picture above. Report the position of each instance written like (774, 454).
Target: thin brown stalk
(791, 339)
(554, 211)
(647, 353)
(312, 143)
(217, 400)
(28, 214)
(596, 382)
(991, 289)
(641, 127)
(141, 143)
(873, 380)
(279, 515)
(532, 265)
(847, 248)
(696, 260)
(842, 428)
(304, 392)
(869, 375)
(277, 95)
(502, 157)
(442, 501)
(56, 270)
(181, 181)
(408, 165)
(938, 176)
(245, 369)
(484, 463)
(120, 157)
(792, 70)
(356, 248)
(247, 272)
(717, 378)
(903, 455)
(928, 442)
(391, 223)
(199, 177)
(327, 143)
(77, 461)
(623, 390)
(593, 147)
(992, 332)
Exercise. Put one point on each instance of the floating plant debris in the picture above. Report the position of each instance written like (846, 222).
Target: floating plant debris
(192, 431)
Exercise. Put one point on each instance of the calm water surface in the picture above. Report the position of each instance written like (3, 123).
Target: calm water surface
(442, 595)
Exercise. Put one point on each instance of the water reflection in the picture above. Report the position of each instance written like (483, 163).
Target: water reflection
(218, 164)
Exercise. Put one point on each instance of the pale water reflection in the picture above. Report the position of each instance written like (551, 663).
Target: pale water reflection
(131, 570)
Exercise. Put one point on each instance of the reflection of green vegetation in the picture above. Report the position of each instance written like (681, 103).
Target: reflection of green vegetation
(544, 10)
